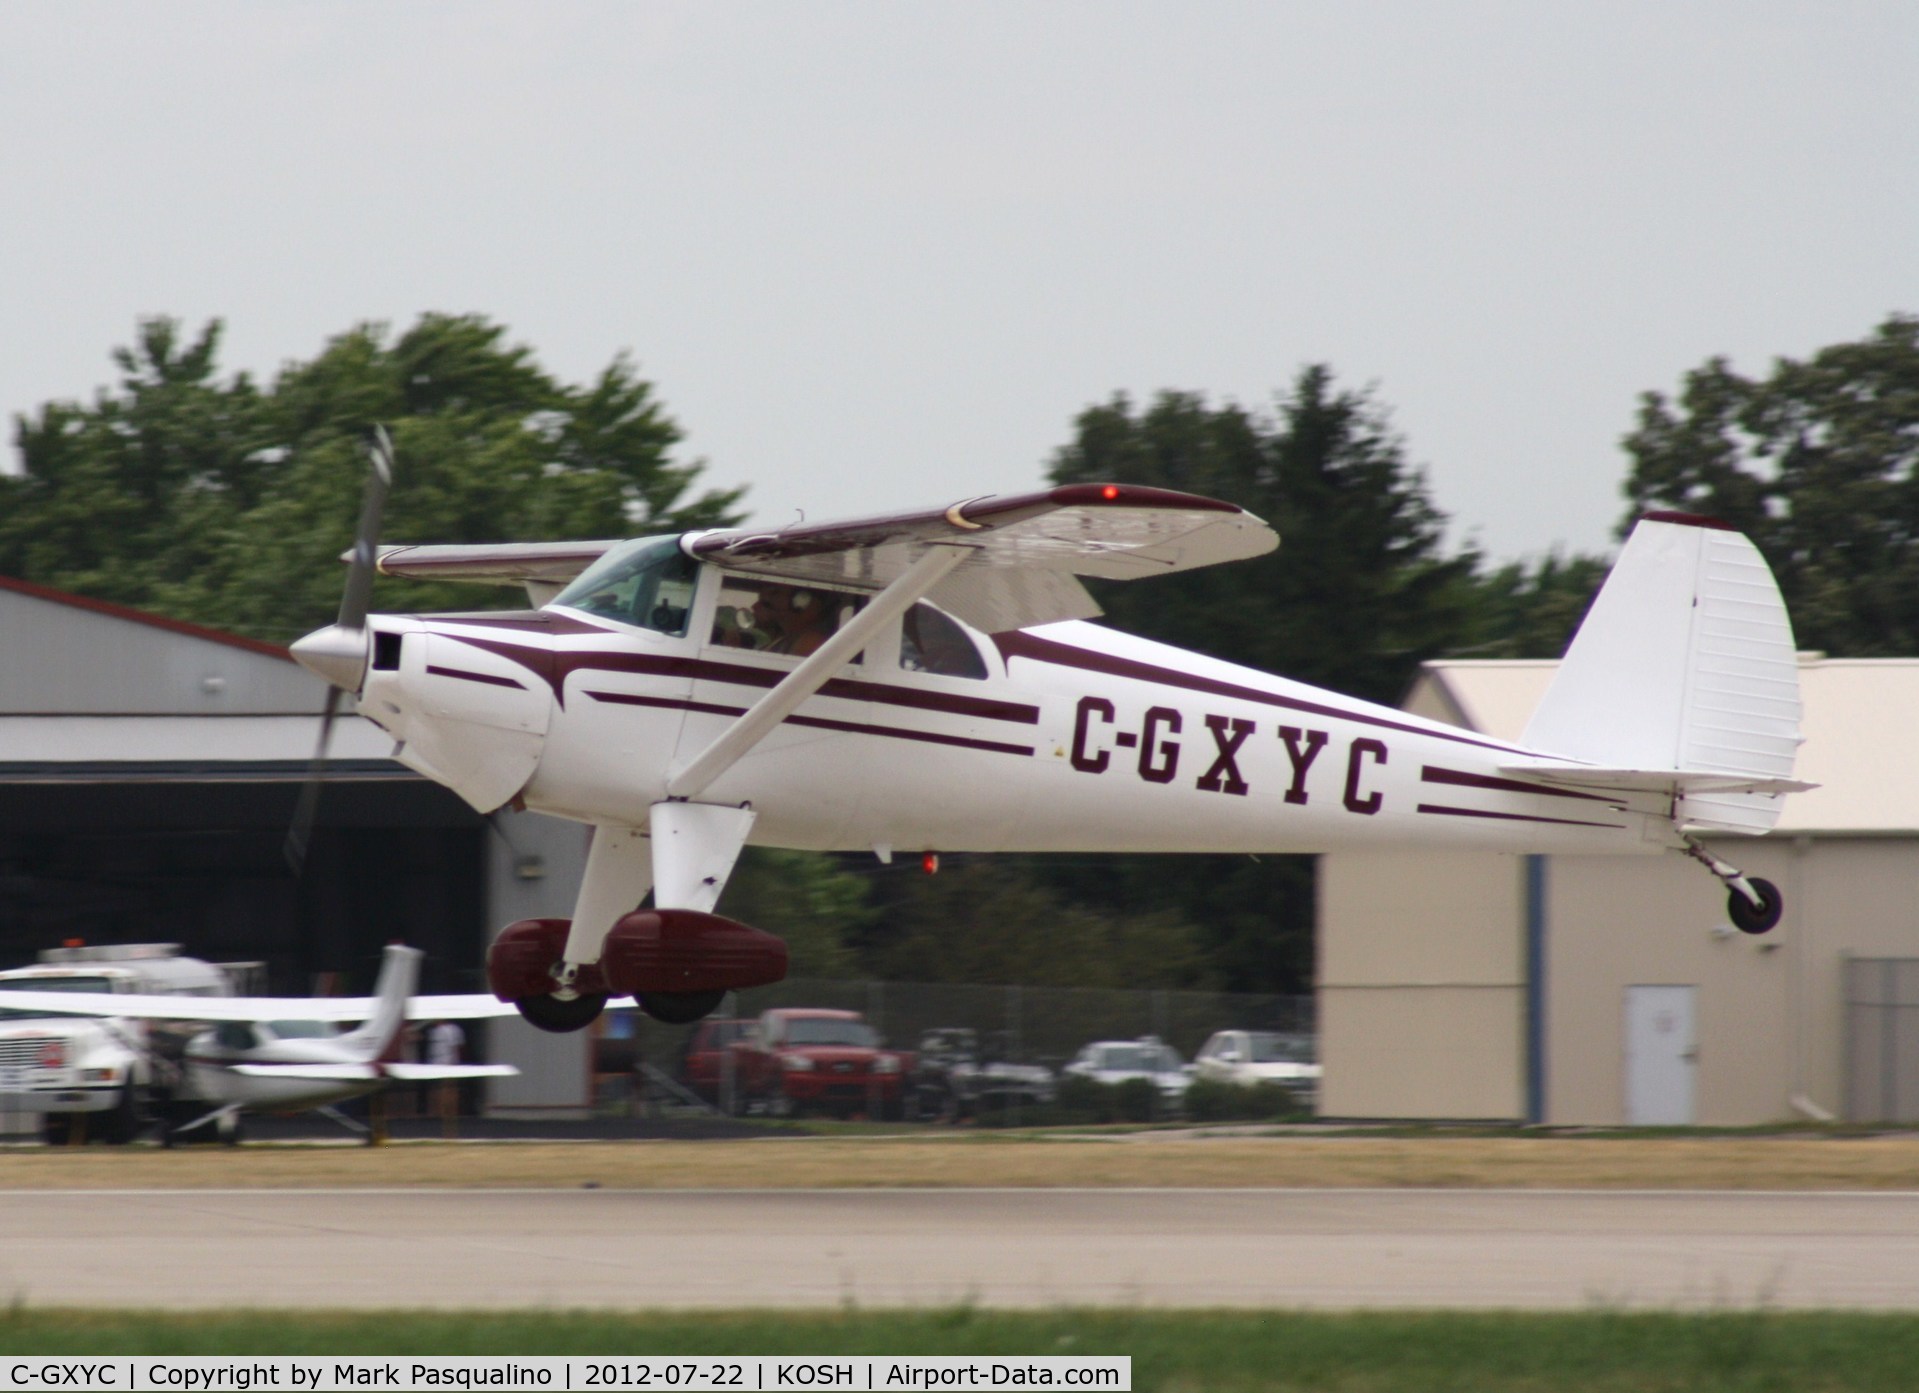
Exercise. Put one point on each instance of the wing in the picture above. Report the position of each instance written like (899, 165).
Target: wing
(134, 1006)
(1025, 553)
(554, 563)
(367, 1073)
(544, 568)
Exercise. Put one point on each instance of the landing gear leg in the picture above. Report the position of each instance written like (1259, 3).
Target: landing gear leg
(1754, 905)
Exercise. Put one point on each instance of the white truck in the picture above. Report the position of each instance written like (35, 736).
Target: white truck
(101, 1078)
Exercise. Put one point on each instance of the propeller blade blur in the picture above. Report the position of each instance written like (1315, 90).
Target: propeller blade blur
(359, 579)
(306, 811)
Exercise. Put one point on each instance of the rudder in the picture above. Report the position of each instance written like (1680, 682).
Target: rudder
(1685, 663)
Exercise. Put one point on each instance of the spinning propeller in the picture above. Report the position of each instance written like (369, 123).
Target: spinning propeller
(339, 652)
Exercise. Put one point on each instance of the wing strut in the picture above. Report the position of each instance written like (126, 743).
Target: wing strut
(694, 776)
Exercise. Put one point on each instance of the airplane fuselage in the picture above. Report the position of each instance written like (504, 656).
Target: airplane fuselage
(1066, 737)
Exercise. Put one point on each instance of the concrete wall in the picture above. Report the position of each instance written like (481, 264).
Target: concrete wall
(1422, 995)
(1422, 985)
(1771, 1009)
(1616, 923)
(534, 867)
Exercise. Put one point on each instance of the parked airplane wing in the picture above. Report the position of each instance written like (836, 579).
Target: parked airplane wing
(1025, 553)
(358, 1073)
(253, 1008)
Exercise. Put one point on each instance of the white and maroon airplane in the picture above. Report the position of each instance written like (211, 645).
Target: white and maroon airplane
(668, 691)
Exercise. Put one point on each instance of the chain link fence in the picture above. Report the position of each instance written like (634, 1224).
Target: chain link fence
(1028, 1025)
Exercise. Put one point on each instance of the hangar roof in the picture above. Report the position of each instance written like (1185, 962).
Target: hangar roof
(103, 684)
(1858, 748)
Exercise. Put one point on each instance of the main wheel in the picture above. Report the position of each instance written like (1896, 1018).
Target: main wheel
(680, 1008)
(1752, 918)
(557, 1016)
(120, 1123)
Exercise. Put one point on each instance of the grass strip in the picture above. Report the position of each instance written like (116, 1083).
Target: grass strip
(1215, 1351)
(1794, 1162)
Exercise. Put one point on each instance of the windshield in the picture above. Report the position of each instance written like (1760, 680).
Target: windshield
(648, 582)
(1282, 1049)
(1140, 1059)
(807, 1031)
(302, 1030)
(50, 984)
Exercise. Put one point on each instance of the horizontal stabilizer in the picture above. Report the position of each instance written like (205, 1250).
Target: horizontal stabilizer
(446, 1073)
(1674, 781)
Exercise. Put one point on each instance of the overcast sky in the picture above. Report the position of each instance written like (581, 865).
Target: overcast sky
(879, 255)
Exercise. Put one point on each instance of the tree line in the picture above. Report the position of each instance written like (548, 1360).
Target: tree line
(225, 501)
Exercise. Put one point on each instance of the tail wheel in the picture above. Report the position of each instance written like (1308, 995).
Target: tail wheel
(680, 1008)
(1759, 918)
(558, 1016)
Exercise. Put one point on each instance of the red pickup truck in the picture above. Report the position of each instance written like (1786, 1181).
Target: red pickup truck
(795, 1059)
(706, 1060)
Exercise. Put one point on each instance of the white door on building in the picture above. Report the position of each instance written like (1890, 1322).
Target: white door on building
(1662, 1056)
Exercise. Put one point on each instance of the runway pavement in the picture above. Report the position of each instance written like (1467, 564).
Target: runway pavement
(1003, 1248)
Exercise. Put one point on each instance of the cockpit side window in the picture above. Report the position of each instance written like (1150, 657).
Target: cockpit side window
(932, 642)
(648, 582)
(776, 617)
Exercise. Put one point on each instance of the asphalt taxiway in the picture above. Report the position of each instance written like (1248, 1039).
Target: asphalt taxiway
(633, 1249)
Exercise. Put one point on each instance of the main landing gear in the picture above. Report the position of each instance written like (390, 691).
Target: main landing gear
(679, 964)
(1753, 904)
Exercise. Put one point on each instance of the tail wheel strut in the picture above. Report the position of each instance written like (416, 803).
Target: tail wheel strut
(1753, 903)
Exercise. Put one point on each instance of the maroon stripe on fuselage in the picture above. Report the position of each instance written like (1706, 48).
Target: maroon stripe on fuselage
(931, 737)
(1434, 774)
(1018, 644)
(466, 676)
(555, 665)
(1517, 817)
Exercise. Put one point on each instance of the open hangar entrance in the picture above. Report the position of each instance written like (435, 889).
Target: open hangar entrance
(149, 772)
(197, 859)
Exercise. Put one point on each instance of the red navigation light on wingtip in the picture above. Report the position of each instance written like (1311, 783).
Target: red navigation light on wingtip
(930, 862)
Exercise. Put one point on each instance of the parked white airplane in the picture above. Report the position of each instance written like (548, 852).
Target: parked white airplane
(287, 1054)
(927, 682)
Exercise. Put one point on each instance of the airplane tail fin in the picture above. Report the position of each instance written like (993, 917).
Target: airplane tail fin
(379, 1038)
(1683, 678)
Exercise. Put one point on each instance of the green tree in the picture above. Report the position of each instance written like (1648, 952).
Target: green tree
(1360, 592)
(809, 899)
(1531, 609)
(229, 504)
(1818, 462)
(994, 921)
